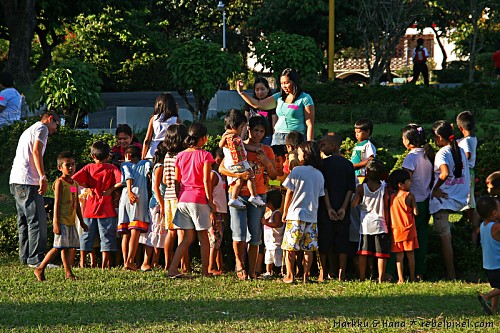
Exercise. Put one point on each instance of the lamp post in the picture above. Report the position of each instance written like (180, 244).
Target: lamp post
(222, 8)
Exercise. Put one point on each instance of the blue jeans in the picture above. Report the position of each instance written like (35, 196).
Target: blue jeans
(247, 220)
(31, 223)
(105, 227)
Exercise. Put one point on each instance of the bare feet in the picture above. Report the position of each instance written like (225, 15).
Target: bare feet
(40, 275)
(305, 279)
(288, 280)
(130, 267)
(145, 268)
(400, 282)
(215, 272)
(241, 274)
(71, 277)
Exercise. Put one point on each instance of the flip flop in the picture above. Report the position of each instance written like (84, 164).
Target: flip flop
(178, 276)
(485, 305)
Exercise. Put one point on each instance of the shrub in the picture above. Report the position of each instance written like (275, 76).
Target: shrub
(426, 109)
(9, 240)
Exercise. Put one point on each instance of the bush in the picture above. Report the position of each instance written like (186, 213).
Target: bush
(9, 241)
(450, 75)
(426, 109)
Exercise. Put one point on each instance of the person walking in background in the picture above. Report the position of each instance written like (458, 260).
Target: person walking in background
(10, 100)
(28, 184)
(420, 55)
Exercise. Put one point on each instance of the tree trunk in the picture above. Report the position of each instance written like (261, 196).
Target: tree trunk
(441, 46)
(21, 19)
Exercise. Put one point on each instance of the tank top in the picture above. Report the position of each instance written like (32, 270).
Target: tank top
(372, 211)
(491, 247)
(67, 203)
(159, 132)
(273, 237)
(219, 195)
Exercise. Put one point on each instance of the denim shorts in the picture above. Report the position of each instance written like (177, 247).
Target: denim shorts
(246, 223)
(106, 227)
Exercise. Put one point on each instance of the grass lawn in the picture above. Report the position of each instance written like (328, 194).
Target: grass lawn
(117, 300)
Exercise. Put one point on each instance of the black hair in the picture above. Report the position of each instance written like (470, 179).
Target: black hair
(294, 139)
(124, 128)
(165, 107)
(312, 156)
(445, 131)
(275, 198)
(234, 119)
(6, 79)
(364, 125)
(264, 81)
(160, 153)
(100, 150)
(494, 179)
(134, 151)
(398, 176)
(52, 114)
(466, 120)
(279, 150)
(294, 77)
(420, 43)
(485, 206)
(217, 152)
(175, 137)
(195, 133)
(375, 170)
(257, 121)
(415, 135)
(64, 156)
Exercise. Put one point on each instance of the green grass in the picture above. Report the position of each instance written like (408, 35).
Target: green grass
(117, 300)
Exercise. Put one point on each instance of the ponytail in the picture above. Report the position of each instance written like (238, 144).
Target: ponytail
(457, 158)
(445, 131)
(195, 133)
(430, 154)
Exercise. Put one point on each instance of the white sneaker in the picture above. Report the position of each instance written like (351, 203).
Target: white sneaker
(256, 201)
(236, 203)
(52, 266)
(34, 265)
(48, 266)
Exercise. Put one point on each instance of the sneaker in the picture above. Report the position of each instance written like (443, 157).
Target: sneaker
(52, 266)
(34, 265)
(256, 201)
(236, 203)
(267, 275)
(48, 266)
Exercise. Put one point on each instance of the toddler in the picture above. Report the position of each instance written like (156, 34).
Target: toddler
(273, 233)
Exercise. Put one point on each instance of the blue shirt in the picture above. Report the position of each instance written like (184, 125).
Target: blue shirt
(291, 115)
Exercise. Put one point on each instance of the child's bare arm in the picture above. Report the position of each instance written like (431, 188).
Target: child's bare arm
(358, 196)
(332, 214)
(288, 200)
(363, 163)
(110, 190)
(156, 189)
(277, 220)
(412, 203)
(80, 216)
(222, 142)
(341, 211)
(131, 195)
(57, 199)
(209, 191)
(495, 231)
(387, 208)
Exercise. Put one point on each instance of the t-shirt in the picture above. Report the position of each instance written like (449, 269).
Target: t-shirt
(98, 178)
(258, 169)
(234, 149)
(68, 198)
(372, 212)
(138, 173)
(457, 188)
(23, 168)
(422, 169)
(307, 184)
(360, 153)
(469, 145)
(273, 237)
(169, 176)
(190, 165)
(11, 100)
(291, 116)
(268, 114)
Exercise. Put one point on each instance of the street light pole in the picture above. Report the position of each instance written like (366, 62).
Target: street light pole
(222, 8)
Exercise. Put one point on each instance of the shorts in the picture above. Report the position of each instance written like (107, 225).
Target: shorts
(134, 225)
(68, 239)
(374, 245)
(493, 277)
(170, 209)
(300, 236)
(333, 235)
(190, 215)
(217, 231)
(442, 222)
(274, 257)
(405, 246)
(105, 227)
(246, 223)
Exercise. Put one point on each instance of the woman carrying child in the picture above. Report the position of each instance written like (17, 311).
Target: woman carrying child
(451, 187)
(261, 157)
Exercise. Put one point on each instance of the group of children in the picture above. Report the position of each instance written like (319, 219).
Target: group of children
(320, 201)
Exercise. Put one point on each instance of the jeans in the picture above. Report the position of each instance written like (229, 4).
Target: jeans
(247, 221)
(31, 223)
(105, 227)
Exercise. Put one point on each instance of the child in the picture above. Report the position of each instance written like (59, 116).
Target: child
(403, 207)
(154, 240)
(165, 113)
(493, 184)
(466, 124)
(374, 237)
(451, 187)
(364, 150)
(333, 231)
(133, 215)
(489, 210)
(236, 159)
(273, 233)
(192, 171)
(124, 138)
(216, 232)
(292, 142)
(99, 214)
(174, 144)
(66, 209)
(305, 185)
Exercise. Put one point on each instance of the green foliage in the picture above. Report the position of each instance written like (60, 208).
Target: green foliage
(69, 87)
(486, 65)
(426, 109)
(280, 50)
(9, 240)
(487, 159)
(201, 67)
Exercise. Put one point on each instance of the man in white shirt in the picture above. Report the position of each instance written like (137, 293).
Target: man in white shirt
(28, 184)
(10, 100)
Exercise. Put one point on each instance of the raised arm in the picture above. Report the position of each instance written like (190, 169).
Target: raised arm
(265, 104)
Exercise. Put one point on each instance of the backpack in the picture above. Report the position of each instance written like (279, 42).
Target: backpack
(420, 57)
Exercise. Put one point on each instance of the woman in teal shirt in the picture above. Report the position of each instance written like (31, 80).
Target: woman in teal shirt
(294, 108)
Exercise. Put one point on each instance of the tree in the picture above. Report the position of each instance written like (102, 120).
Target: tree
(383, 23)
(202, 67)
(280, 50)
(19, 16)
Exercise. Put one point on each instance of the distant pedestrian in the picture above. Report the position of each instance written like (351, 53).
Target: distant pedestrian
(10, 100)
(420, 55)
(496, 60)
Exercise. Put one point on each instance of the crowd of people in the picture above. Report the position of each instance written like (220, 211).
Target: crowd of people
(285, 203)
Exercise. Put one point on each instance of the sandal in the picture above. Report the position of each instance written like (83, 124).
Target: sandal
(485, 304)
(241, 274)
